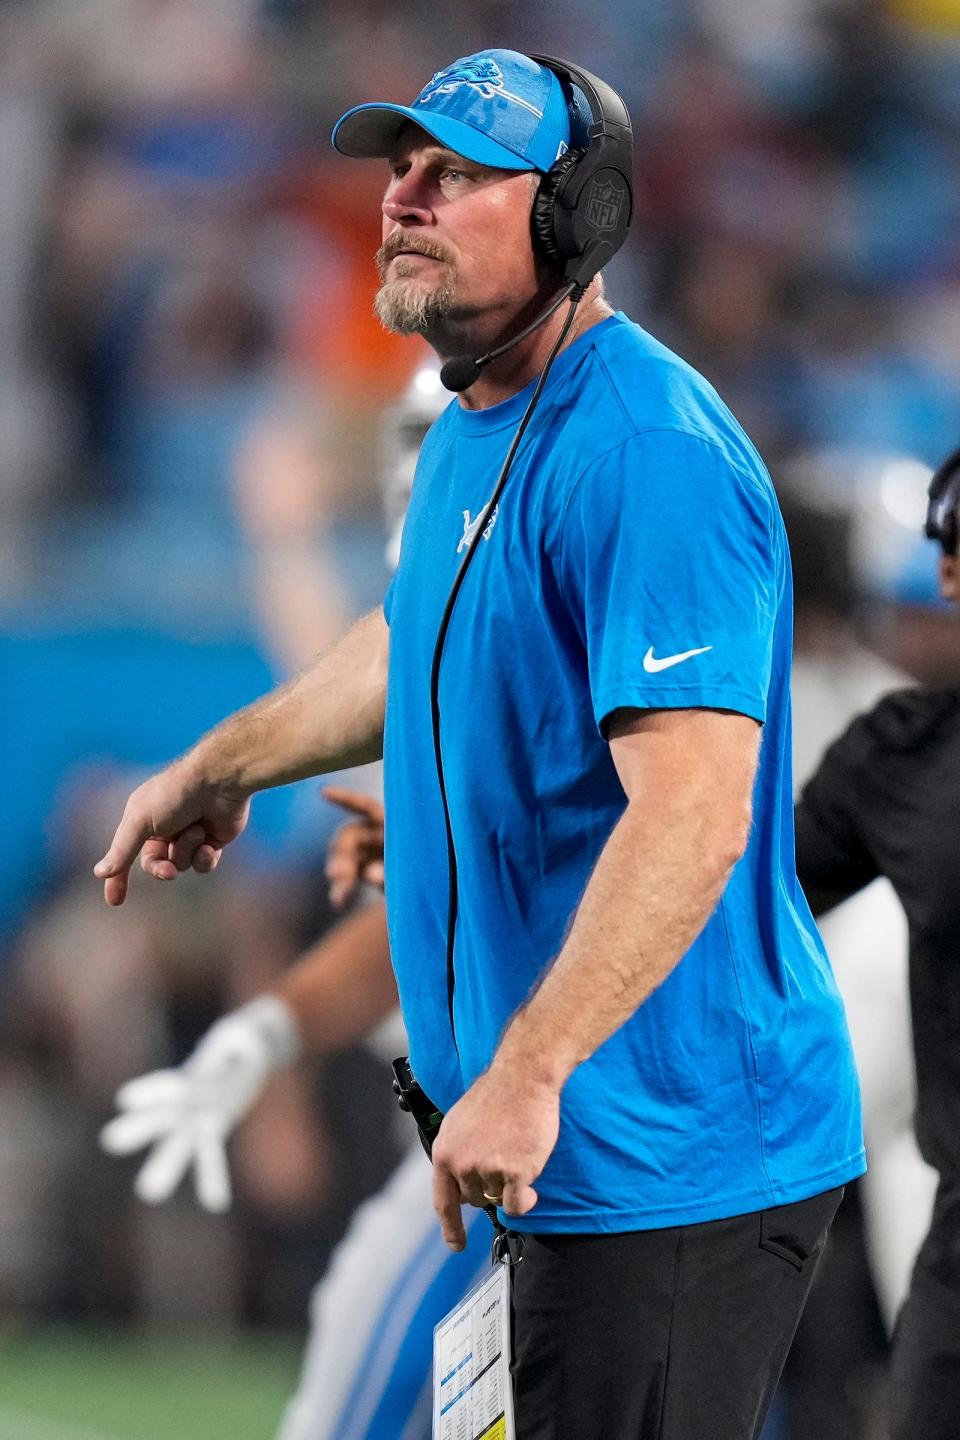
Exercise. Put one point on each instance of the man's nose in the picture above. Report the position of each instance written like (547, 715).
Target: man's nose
(406, 201)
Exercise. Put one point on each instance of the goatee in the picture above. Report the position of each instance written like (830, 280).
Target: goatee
(405, 304)
(406, 308)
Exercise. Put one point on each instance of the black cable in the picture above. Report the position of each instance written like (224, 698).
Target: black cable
(576, 295)
(460, 372)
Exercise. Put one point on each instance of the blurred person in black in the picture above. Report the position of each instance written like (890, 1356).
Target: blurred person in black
(848, 547)
(883, 802)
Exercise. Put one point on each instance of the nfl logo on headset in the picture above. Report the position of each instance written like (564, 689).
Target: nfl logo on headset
(604, 205)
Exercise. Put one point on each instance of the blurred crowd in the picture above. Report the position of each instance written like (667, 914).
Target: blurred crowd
(191, 385)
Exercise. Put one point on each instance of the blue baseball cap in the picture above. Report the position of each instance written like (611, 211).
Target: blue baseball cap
(496, 108)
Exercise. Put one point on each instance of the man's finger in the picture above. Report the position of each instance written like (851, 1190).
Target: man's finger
(491, 1190)
(206, 858)
(344, 867)
(114, 868)
(447, 1203)
(342, 860)
(183, 849)
(341, 879)
(518, 1199)
(165, 1168)
(373, 873)
(156, 1088)
(125, 847)
(115, 888)
(211, 1176)
(344, 848)
(340, 894)
(355, 801)
(155, 859)
(127, 1133)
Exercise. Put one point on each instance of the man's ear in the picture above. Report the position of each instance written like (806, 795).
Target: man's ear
(950, 577)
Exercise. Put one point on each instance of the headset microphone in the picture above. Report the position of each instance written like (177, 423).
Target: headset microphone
(461, 371)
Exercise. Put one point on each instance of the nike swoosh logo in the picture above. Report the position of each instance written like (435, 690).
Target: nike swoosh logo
(653, 665)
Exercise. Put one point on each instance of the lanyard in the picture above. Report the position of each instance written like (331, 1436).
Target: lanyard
(411, 1097)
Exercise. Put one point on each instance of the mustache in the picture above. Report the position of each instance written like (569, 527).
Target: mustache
(397, 242)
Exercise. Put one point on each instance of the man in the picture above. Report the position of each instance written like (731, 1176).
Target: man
(883, 803)
(661, 1091)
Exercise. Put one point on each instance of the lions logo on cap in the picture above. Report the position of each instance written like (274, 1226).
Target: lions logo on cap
(483, 75)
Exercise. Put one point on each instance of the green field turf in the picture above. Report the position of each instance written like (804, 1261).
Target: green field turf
(83, 1384)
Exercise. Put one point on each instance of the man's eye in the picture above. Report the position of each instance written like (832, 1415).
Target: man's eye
(450, 174)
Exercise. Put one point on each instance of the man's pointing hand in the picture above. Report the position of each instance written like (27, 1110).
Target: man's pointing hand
(174, 822)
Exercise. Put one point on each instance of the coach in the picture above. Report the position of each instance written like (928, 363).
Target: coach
(638, 1041)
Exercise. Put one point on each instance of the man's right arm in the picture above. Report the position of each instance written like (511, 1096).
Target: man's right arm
(328, 718)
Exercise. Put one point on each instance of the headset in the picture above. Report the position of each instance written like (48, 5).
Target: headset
(943, 498)
(582, 210)
(584, 205)
(580, 219)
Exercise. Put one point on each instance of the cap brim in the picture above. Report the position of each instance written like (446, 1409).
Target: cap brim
(369, 131)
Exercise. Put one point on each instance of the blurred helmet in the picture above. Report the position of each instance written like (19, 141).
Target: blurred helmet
(403, 428)
(943, 500)
(882, 499)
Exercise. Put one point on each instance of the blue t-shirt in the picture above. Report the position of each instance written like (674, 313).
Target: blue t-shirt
(638, 524)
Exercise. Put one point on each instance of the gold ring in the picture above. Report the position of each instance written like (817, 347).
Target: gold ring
(494, 1199)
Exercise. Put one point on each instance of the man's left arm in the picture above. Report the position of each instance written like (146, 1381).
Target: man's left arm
(688, 777)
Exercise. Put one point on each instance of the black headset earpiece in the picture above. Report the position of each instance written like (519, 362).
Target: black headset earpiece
(583, 208)
(542, 218)
(943, 498)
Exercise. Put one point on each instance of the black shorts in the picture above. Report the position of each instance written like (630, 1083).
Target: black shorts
(926, 1343)
(676, 1334)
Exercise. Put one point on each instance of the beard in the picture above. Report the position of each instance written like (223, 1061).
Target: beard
(409, 304)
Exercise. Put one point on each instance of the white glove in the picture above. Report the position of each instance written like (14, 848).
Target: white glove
(185, 1115)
